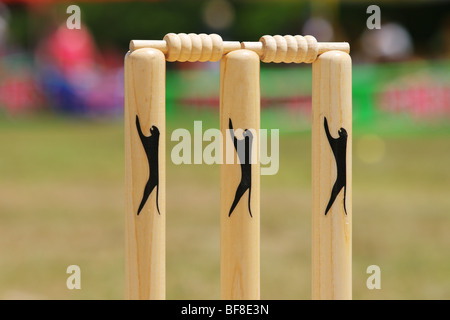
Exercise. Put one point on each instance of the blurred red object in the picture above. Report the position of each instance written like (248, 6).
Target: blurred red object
(19, 94)
(422, 101)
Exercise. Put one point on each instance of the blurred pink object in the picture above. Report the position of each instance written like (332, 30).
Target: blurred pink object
(74, 76)
(72, 50)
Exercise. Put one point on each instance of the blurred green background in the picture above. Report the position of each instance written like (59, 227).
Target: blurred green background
(62, 146)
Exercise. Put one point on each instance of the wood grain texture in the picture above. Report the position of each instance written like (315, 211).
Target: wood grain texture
(332, 232)
(189, 47)
(240, 231)
(145, 232)
(292, 49)
(210, 47)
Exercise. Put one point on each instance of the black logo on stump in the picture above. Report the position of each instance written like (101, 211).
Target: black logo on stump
(151, 147)
(246, 166)
(339, 147)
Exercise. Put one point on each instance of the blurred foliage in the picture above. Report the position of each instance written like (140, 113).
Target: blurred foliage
(115, 23)
(19, 25)
(152, 20)
(425, 20)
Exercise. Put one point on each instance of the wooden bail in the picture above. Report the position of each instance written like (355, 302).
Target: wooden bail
(145, 173)
(240, 183)
(332, 176)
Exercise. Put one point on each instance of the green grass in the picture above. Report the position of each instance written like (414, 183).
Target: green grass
(62, 203)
